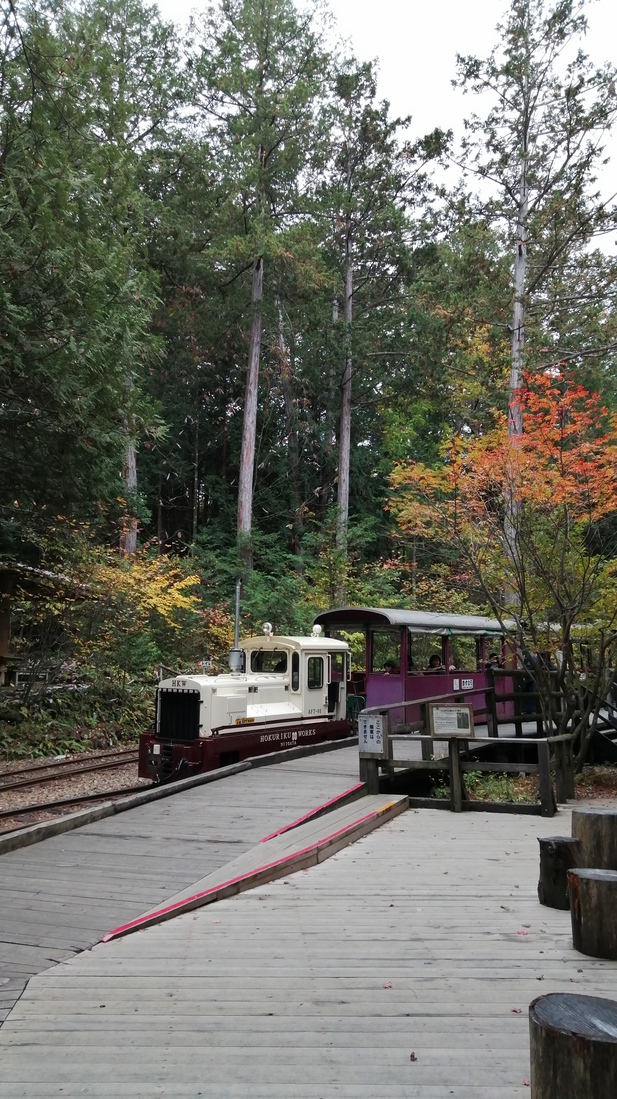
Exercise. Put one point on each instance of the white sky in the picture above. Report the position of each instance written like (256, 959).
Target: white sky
(416, 42)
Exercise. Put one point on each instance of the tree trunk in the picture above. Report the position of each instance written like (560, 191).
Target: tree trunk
(573, 1047)
(593, 900)
(291, 426)
(195, 486)
(8, 585)
(597, 831)
(558, 854)
(345, 417)
(249, 425)
(128, 537)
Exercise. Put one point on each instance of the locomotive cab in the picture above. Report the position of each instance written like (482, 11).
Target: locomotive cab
(287, 691)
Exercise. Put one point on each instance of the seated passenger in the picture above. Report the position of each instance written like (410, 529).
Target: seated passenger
(391, 668)
(493, 661)
(411, 668)
(435, 665)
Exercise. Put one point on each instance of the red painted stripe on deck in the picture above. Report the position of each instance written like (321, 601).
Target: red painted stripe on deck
(312, 812)
(241, 877)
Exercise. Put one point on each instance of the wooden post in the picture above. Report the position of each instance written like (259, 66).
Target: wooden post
(569, 756)
(597, 831)
(560, 771)
(456, 781)
(547, 801)
(593, 901)
(573, 1043)
(517, 684)
(425, 747)
(558, 854)
(490, 704)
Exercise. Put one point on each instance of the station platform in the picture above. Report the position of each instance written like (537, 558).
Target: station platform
(59, 896)
(401, 968)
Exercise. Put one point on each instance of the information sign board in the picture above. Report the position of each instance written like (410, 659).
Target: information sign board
(451, 721)
(372, 740)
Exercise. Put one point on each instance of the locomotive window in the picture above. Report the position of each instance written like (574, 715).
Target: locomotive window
(314, 679)
(269, 660)
(337, 667)
(295, 671)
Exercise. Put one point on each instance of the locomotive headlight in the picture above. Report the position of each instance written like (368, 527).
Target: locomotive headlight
(156, 749)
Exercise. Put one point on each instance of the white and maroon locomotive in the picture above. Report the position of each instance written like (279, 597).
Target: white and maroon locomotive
(281, 692)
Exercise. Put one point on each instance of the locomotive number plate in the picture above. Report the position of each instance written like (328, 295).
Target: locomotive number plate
(245, 720)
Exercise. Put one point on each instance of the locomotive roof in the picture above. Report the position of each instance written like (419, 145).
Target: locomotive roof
(328, 644)
(425, 622)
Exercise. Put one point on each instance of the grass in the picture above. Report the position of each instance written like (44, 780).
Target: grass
(595, 781)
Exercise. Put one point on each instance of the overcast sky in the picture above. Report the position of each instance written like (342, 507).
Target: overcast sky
(416, 44)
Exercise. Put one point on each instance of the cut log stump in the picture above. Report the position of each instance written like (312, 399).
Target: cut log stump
(558, 854)
(573, 1047)
(597, 831)
(593, 903)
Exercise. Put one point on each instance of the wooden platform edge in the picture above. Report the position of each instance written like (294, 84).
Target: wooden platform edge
(35, 833)
(288, 864)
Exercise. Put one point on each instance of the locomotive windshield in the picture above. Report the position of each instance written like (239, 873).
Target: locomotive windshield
(269, 660)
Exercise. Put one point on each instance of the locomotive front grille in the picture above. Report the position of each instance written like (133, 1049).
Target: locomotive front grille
(178, 716)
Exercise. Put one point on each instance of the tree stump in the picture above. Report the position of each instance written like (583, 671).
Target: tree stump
(558, 854)
(593, 903)
(573, 1047)
(597, 831)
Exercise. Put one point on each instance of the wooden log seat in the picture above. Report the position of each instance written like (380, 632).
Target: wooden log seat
(573, 1042)
(593, 904)
(597, 831)
(558, 854)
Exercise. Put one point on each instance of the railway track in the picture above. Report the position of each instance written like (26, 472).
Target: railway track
(65, 804)
(58, 770)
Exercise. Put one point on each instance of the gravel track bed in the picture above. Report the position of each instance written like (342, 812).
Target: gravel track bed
(69, 787)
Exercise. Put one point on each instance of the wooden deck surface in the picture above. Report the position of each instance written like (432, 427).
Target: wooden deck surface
(402, 968)
(59, 896)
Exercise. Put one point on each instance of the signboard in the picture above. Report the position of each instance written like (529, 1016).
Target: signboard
(449, 721)
(372, 740)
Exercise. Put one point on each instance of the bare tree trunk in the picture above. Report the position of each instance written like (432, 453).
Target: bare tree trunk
(326, 483)
(8, 585)
(128, 537)
(291, 425)
(195, 485)
(515, 417)
(159, 519)
(345, 418)
(249, 426)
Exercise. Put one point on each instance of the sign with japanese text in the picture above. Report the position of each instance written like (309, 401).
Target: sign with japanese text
(372, 740)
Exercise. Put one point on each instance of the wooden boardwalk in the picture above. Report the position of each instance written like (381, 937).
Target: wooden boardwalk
(59, 896)
(402, 968)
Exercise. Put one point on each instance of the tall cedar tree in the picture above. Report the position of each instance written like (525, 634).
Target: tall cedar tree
(260, 71)
(539, 147)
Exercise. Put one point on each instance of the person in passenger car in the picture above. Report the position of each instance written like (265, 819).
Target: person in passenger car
(434, 664)
(391, 668)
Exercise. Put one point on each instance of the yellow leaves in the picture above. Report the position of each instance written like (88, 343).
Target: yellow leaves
(144, 586)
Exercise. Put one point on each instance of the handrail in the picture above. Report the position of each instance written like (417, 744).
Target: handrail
(422, 701)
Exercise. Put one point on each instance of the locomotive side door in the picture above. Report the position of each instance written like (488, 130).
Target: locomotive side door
(337, 684)
(316, 692)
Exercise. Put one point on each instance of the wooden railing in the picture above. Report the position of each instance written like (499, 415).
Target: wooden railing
(554, 755)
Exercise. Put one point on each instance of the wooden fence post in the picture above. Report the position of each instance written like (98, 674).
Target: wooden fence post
(456, 780)
(547, 801)
(425, 747)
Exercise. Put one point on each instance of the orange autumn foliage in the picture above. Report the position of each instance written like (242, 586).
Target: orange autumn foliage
(565, 461)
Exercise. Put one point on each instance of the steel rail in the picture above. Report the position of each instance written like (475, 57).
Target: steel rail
(102, 795)
(65, 769)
